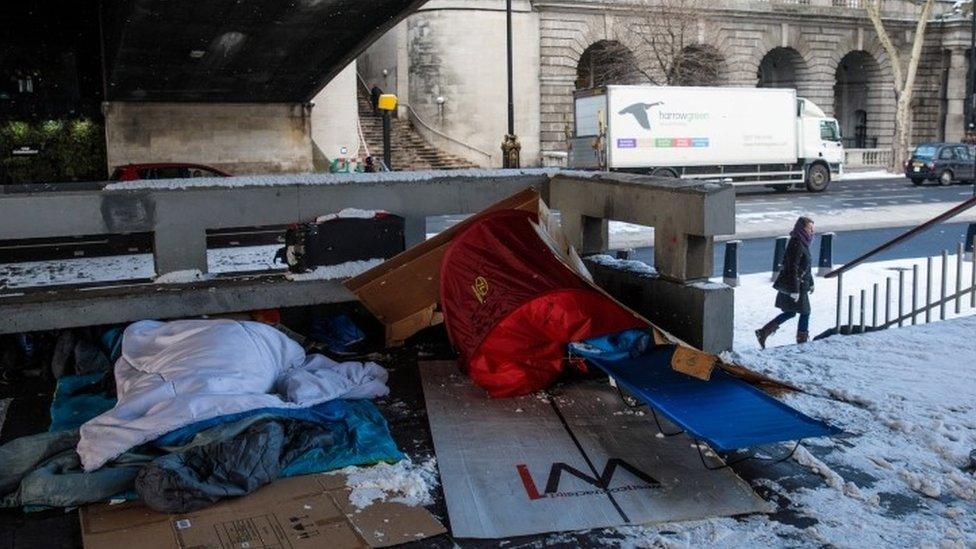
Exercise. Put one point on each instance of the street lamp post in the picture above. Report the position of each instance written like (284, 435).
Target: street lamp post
(972, 90)
(511, 147)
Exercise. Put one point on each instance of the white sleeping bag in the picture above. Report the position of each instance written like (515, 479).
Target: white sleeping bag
(172, 374)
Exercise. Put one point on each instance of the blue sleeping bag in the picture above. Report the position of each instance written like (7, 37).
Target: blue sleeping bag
(726, 412)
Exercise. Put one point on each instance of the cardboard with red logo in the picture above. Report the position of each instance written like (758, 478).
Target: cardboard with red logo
(574, 459)
(298, 512)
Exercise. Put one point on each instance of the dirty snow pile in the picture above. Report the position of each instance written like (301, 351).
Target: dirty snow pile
(403, 482)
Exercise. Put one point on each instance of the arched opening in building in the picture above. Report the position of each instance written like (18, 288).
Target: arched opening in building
(696, 65)
(860, 101)
(781, 68)
(606, 62)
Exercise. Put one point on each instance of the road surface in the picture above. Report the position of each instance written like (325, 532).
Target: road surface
(846, 206)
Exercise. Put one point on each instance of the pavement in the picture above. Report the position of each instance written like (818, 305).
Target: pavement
(756, 254)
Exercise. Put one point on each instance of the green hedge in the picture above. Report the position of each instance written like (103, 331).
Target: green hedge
(70, 150)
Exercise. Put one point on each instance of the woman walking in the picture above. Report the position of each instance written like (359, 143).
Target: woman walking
(794, 284)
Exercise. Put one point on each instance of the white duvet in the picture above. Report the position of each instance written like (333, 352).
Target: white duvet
(172, 374)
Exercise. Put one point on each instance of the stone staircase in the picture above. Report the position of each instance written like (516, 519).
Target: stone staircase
(411, 152)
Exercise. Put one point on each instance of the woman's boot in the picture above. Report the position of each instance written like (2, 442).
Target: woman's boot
(766, 331)
(802, 337)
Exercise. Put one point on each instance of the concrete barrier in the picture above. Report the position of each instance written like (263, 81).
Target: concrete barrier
(700, 313)
(178, 213)
(686, 216)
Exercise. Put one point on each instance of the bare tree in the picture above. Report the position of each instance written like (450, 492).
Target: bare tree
(665, 49)
(667, 33)
(904, 77)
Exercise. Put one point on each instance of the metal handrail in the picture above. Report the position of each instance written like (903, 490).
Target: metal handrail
(954, 211)
(424, 123)
(937, 303)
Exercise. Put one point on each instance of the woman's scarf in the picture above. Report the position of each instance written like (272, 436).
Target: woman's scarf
(800, 231)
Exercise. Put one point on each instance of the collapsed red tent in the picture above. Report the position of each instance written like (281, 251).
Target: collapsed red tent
(511, 305)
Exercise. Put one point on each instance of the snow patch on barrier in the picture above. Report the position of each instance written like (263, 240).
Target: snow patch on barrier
(629, 265)
(325, 179)
(342, 270)
(349, 213)
(182, 277)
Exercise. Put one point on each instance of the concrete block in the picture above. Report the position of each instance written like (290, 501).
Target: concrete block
(701, 314)
(686, 215)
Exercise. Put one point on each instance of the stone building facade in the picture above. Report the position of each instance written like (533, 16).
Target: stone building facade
(447, 63)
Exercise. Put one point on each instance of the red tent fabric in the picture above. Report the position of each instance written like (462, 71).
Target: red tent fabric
(511, 306)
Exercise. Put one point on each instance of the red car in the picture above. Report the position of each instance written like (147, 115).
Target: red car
(164, 170)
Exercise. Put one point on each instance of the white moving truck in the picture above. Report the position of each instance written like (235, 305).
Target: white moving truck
(749, 136)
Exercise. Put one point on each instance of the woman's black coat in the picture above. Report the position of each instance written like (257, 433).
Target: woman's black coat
(795, 278)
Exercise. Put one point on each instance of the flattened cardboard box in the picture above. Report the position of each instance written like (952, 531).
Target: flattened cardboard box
(298, 512)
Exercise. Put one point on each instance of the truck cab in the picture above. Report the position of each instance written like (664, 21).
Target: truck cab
(818, 145)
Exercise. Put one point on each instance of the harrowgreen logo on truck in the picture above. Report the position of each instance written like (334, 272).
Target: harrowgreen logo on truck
(639, 112)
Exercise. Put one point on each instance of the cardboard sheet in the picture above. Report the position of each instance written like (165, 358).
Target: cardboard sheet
(298, 512)
(402, 292)
(580, 460)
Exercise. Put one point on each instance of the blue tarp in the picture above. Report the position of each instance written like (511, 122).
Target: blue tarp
(362, 436)
(726, 412)
(78, 399)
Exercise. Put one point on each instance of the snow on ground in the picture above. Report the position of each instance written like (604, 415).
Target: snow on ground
(898, 477)
(871, 174)
(755, 296)
(76, 271)
(403, 482)
(245, 258)
(130, 267)
(910, 404)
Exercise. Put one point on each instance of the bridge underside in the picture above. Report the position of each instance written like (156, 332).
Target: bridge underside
(260, 51)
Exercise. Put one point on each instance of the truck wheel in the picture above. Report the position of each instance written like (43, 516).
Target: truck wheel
(918, 181)
(818, 178)
(664, 172)
(945, 178)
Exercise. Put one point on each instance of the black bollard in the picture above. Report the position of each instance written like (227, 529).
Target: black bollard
(970, 236)
(826, 263)
(778, 252)
(730, 271)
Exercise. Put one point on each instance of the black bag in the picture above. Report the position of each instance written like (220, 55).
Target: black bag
(340, 240)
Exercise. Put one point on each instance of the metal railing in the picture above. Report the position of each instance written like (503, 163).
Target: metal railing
(915, 309)
(915, 302)
(417, 119)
